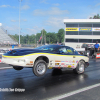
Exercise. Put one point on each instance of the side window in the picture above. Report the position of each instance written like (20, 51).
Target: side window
(63, 49)
(67, 50)
(70, 50)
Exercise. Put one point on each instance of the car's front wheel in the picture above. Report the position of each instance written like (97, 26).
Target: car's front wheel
(40, 67)
(80, 67)
(17, 68)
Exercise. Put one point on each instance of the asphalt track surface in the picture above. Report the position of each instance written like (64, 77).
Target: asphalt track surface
(54, 85)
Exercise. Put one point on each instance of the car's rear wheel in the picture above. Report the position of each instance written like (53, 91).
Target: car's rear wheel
(40, 67)
(17, 67)
(80, 67)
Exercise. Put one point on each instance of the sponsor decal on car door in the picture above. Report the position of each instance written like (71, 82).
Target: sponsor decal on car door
(65, 59)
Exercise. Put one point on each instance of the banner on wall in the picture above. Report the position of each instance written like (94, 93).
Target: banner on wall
(82, 29)
(95, 29)
(72, 29)
(85, 29)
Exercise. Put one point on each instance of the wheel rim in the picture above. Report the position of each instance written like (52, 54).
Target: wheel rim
(81, 68)
(41, 68)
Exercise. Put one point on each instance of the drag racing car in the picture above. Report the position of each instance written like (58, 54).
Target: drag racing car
(46, 57)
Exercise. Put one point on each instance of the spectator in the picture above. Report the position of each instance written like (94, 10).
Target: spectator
(96, 47)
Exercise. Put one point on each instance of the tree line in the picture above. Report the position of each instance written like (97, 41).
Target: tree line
(47, 37)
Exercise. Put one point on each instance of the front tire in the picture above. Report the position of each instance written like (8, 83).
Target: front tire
(80, 68)
(17, 68)
(40, 67)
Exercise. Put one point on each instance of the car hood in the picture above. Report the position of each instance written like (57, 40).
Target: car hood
(21, 52)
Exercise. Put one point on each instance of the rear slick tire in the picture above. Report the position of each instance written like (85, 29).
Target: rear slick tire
(80, 68)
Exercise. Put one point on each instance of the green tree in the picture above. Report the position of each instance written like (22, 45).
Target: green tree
(43, 33)
(32, 39)
(38, 37)
(21, 39)
(60, 35)
(51, 37)
(95, 17)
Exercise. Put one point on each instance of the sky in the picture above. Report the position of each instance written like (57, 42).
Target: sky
(36, 15)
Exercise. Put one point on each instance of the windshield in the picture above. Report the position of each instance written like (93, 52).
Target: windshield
(48, 47)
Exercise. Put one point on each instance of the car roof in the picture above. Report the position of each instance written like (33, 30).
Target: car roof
(58, 45)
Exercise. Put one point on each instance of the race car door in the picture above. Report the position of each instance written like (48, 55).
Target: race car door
(65, 58)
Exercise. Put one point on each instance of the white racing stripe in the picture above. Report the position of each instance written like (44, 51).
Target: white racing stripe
(5, 67)
(74, 92)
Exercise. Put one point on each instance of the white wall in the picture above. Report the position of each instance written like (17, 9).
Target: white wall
(82, 36)
(74, 45)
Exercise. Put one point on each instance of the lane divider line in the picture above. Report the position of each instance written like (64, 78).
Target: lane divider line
(74, 92)
(5, 67)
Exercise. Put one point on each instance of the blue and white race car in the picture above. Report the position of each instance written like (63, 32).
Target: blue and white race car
(47, 56)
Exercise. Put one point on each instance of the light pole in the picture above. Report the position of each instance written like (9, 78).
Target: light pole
(19, 18)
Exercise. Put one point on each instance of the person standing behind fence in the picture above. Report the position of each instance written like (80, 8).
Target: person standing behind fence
(96, 47)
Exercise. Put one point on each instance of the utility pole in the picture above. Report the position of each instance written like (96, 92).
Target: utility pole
(19, 18)
(45, 38)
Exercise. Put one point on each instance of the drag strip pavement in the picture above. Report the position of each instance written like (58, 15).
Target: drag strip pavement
(55, 84)
(5, 66)
(74, 92)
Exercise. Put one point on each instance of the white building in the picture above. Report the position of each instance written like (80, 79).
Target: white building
(79, 31)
